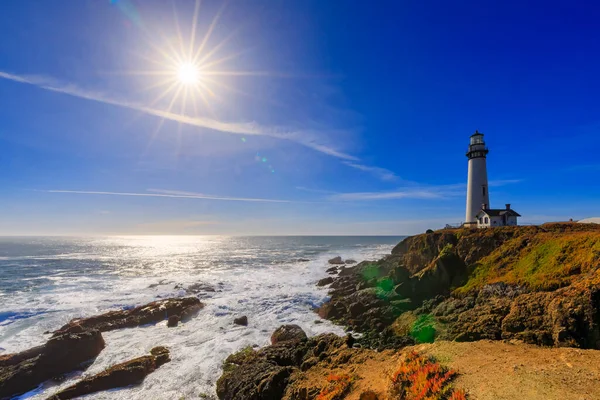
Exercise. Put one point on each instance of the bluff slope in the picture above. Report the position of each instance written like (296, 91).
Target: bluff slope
(537, 284)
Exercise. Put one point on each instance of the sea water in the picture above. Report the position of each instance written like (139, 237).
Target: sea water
(45, 282)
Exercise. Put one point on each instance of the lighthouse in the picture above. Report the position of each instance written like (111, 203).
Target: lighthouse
(477, 187)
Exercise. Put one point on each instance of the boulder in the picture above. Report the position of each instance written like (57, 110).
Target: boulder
(266, 374)
(64, 353)
(287, 333)
(147, 314)
(173, 321)
(131, 372)
(350, 261)
(243, 320)
(332, 270)
(261, 380)
(325, 281)
(336, 261)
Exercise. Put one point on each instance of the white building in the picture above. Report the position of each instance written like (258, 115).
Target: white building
(489, 218)
(478, 213)
(477, 185)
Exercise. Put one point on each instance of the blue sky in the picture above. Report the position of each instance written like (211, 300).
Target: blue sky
(308, 117)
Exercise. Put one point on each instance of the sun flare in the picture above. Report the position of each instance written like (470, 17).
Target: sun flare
(188, 73)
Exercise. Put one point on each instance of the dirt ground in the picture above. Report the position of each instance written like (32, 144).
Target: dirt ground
(488, 370)
(502, 371)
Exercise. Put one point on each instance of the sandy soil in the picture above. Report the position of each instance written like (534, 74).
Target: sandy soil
(496, 370)
(488, 370)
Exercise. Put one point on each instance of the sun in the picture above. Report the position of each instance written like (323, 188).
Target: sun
(188, 73)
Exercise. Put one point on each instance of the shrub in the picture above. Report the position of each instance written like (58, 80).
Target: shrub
(337, 387)
(428, 231)
(420, 378)
(447, 250)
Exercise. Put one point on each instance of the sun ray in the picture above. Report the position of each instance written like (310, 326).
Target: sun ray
(164, 82)
(223, 59)
(164, 94)
(194, 25)
(206, 102)
(209, 32)
(178, 28)
(174, 58)
(205, 87)
(245, 73)
(218, 47)
(194, 105)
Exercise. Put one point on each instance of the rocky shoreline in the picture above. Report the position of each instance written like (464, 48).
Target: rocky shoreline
(74, 347)
(537, 285)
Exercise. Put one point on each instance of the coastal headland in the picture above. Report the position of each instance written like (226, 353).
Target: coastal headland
(484, 308)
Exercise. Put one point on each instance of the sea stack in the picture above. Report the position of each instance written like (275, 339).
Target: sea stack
(477, 185)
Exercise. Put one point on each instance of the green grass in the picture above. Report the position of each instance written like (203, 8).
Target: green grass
(544, 261)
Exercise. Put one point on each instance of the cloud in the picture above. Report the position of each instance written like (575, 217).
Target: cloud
(381, 173)
(169, 194)
(306, 137)
(415, 190)
(407, 193)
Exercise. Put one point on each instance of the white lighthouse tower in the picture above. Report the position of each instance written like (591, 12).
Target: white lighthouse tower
(478, 196)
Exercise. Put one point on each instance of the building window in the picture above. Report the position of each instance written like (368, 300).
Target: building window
(483, 190)
(487, 221)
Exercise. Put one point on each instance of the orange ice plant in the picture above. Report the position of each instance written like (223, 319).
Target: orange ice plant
(420, 378)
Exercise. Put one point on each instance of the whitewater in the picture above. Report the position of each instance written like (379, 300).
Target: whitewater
(45, 282)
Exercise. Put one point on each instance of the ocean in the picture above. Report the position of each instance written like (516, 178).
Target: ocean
(45, 282)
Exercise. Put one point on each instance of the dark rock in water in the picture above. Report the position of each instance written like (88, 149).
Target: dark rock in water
(131, 372)
(287, 333)
(64, 353)
(350, 261)
(332, 270)
(325, 281)
(161, 282)
(196, 288)
(336, 261)
(147, 314)
(303, 260)
(241, 321)
(173, 321)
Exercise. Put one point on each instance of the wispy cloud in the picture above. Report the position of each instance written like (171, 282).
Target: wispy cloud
(169, 194)
(424, 193)
(381, 173)
(306, 137)
(414, 190)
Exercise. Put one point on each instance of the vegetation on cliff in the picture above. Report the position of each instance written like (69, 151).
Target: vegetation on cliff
(538, 284)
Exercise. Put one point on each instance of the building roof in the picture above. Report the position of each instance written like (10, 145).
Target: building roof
(499, 212)
(477, 133)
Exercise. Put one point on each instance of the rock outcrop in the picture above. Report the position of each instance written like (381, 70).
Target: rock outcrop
(150, 313)
(243, 320)
(265, 374)
(131, 372)
(63, 353)
(536, 284)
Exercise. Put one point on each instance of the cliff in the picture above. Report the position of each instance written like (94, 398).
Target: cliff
(536, 285)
